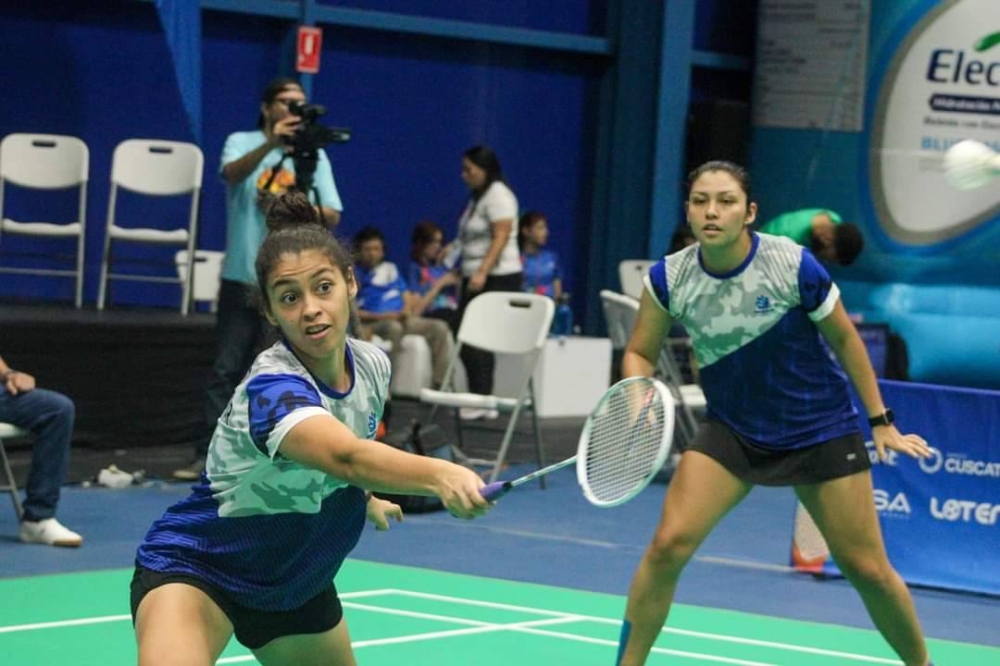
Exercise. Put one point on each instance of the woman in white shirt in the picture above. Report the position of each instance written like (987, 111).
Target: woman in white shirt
(487, 235)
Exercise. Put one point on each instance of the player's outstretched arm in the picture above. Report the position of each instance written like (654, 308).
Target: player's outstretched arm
(324, 443)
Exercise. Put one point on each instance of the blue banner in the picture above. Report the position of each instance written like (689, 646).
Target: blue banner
(181, 21)
(940, 515)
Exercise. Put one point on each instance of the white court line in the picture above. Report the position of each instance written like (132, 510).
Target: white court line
(669, 630)
(63, 623)
(528, 627)
(611, 545)
(120, 618)
(482, 627)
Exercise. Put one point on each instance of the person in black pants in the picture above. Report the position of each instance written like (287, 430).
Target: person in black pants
(491, 261)
(256, 166)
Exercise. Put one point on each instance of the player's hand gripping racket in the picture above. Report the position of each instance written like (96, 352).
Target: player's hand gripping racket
(624, 443)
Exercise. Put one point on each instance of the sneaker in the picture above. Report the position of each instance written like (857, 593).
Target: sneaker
(49, 532)
(192, 472)
(474, 414)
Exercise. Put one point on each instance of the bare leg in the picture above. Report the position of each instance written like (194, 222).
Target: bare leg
(701, 492)
(179, 625)
(330, 648)
(844, 512)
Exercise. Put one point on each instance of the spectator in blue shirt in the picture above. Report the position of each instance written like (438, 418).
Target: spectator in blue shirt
(387, 308)
(542, 271)
(431, 277)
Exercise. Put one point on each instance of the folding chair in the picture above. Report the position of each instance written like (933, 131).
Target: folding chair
(207, 275)
(631, 272)
(47, 162)
(153, 168)
(6, 431)
(620, 313)
(502, 323)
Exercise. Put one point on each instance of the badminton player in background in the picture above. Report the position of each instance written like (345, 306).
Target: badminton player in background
(779, 409)
(253, 550)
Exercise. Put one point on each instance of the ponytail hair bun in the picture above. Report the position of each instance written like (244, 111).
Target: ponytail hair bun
(289, 210)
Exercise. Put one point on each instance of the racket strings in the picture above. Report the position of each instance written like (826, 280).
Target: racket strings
(625, 441)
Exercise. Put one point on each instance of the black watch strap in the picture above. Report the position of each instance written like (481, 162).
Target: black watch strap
(885, 418)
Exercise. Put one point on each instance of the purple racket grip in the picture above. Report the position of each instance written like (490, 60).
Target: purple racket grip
(495, 490)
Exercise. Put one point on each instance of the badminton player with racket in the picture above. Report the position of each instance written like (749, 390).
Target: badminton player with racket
(253, 549)
(779, 411)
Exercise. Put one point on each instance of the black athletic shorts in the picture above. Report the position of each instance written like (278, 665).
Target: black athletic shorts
(832, 459)
(253, 628)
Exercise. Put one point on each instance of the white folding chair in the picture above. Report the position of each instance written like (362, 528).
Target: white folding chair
(153, 168)
(207, 275)
(620, 313)
(502, 323)
(46, 162)
(6, 431)
(631, 272)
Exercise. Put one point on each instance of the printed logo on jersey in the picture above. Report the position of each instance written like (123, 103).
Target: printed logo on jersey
(372, 425)
(762, 305)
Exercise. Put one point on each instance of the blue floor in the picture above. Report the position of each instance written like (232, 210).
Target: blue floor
(552, 537)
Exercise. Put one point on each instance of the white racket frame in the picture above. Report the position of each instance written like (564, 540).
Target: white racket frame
(666, 441)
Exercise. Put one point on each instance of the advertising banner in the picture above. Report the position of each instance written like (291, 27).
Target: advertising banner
(940, 516)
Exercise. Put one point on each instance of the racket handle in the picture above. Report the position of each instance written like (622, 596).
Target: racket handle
(495, 490)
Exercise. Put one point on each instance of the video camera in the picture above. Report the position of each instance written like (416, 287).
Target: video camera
(309, 139)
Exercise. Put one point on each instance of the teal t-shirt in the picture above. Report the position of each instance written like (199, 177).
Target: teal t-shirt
(797, 224)
(245, 226)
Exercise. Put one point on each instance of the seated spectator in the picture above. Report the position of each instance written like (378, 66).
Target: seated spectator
(386, 305)
(430, 278)
(542, 272)
(823, 231)
(49, 416)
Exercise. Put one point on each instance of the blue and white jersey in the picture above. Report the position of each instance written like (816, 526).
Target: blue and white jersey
(764, 369)
(271, 532)
(380, 289)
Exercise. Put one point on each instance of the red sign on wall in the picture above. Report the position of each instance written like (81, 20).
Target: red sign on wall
(307, 56)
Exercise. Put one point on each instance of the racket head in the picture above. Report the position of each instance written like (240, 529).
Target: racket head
(626, 440)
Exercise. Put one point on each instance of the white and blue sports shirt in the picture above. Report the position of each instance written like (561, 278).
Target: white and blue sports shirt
(270, 532)
(764, 369)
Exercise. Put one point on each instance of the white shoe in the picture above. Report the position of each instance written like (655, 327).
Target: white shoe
(49, 532)
(475, 413)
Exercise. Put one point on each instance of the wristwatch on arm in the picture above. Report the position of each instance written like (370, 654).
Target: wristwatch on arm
(883, 419)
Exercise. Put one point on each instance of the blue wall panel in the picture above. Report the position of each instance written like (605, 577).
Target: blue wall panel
(414, 104)
(585, 17)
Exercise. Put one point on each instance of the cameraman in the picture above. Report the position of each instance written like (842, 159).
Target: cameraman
(256, 166)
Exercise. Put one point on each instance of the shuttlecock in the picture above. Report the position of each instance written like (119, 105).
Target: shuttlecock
(970, 164)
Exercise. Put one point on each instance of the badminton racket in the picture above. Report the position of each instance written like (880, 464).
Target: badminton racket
(625, 441)
(970, 164)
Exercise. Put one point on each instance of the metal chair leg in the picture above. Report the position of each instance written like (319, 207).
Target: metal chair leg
(12, 486)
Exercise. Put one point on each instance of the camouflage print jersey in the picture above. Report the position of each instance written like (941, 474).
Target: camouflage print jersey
(764, 369)
(269, 531)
